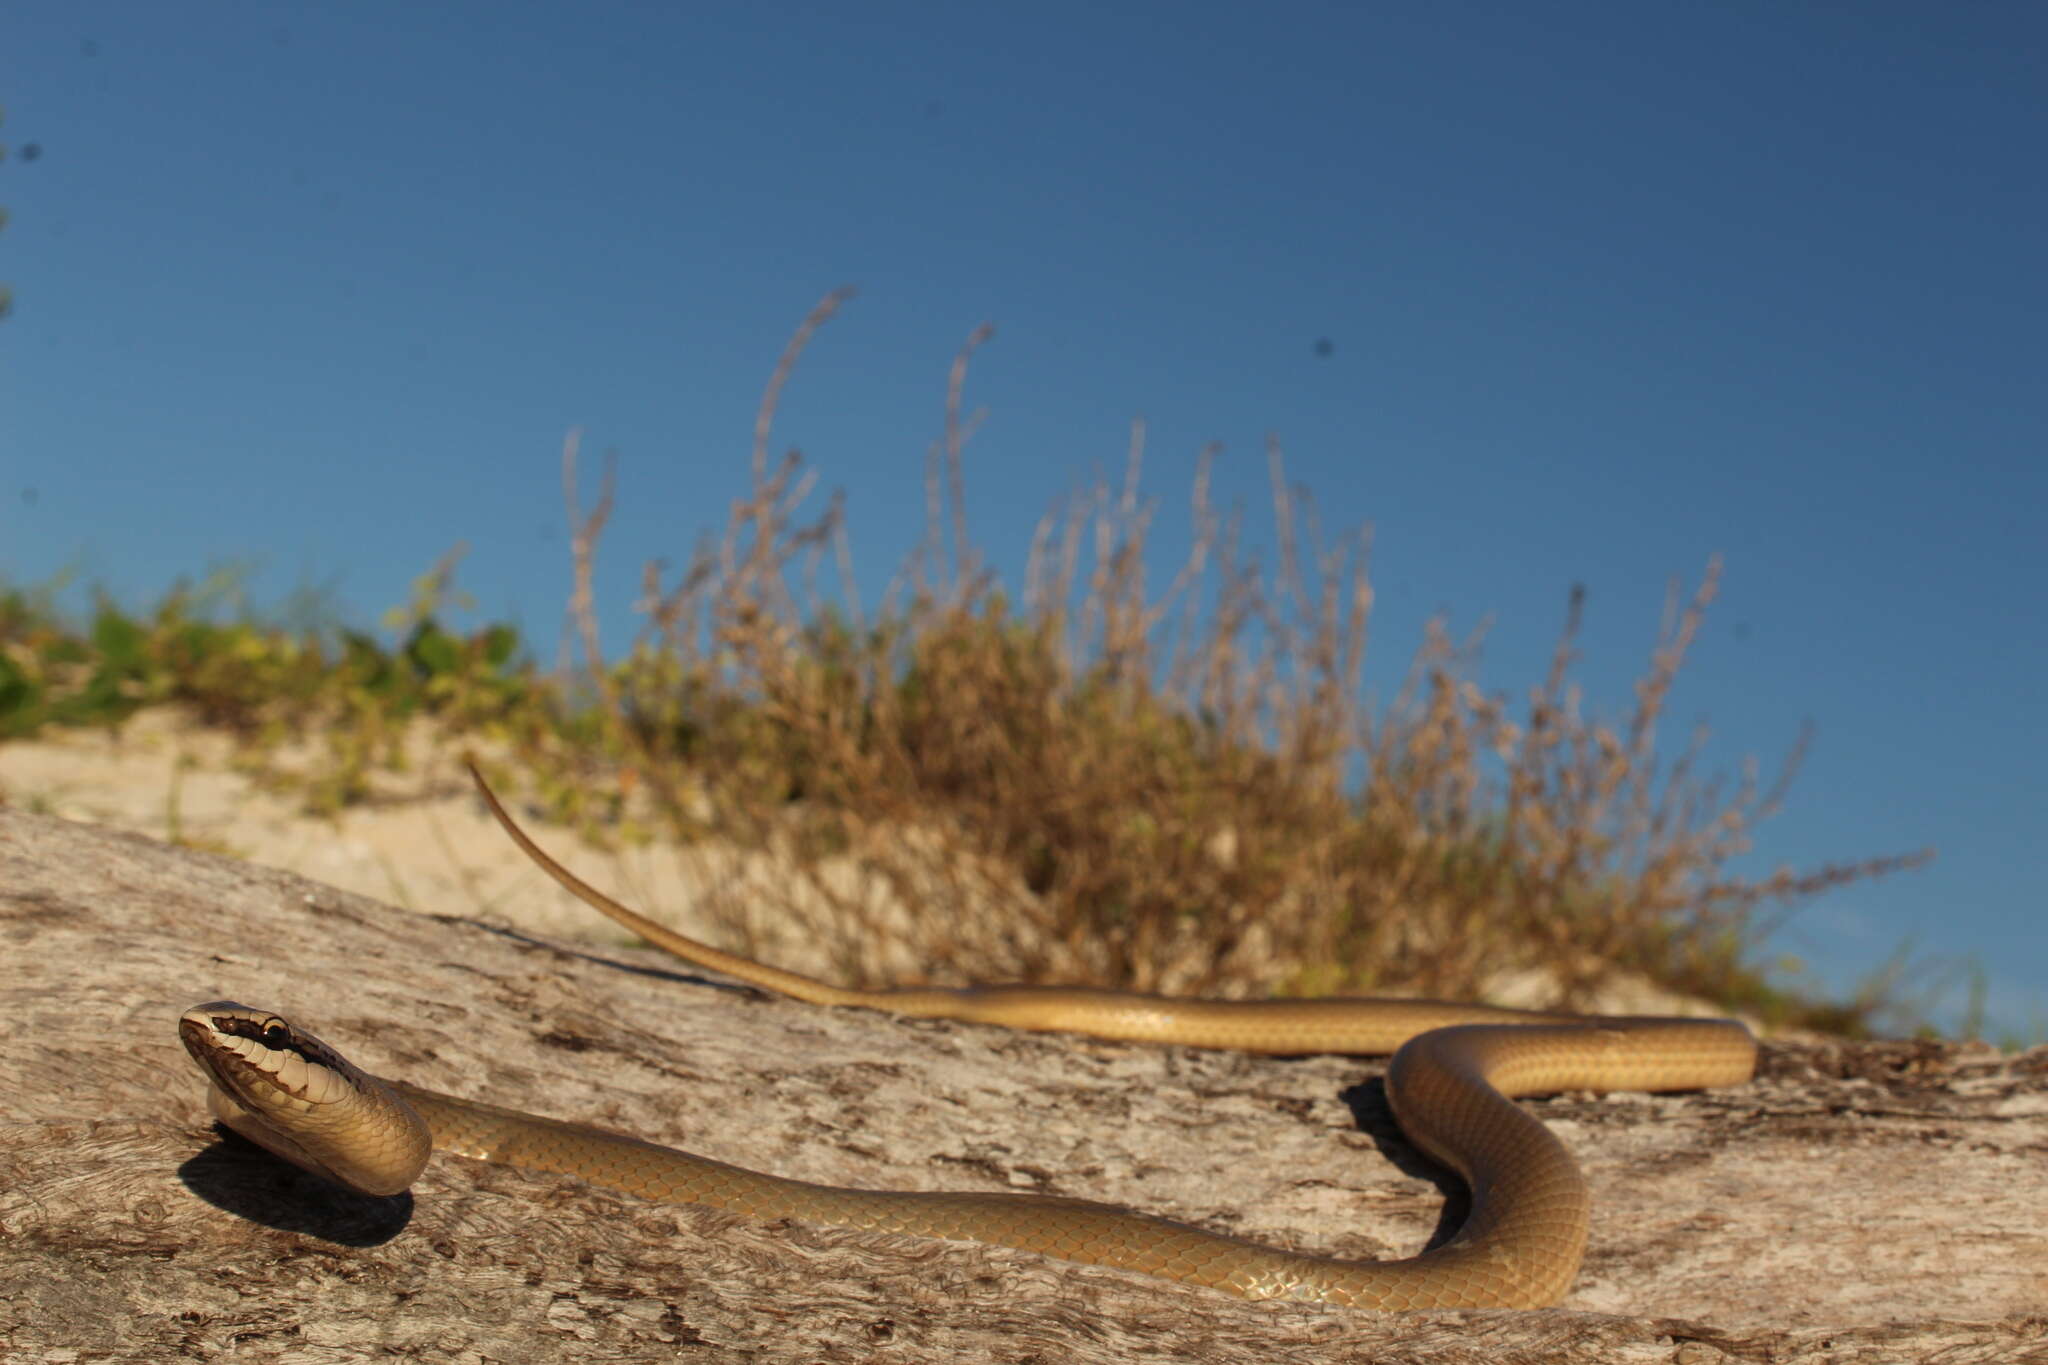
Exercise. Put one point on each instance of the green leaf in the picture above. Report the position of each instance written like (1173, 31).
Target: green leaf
(121, 643)
(500, 644)
(433, 651)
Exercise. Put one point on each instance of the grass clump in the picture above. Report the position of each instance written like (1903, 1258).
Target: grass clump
(1182, 790)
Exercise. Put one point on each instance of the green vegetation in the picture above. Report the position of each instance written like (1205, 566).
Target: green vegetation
(265, 684)
(1183, 791)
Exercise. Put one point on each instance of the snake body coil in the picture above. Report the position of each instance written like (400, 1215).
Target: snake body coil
(283, 1088)
(1455, 1071)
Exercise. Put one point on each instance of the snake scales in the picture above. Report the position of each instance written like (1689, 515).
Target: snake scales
(1454, 1072)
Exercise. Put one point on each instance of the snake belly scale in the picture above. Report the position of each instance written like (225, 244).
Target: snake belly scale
(1455, 1071)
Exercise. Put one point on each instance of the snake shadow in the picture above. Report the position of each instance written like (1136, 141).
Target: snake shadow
(680, 973)
(1375, 1118)
(237, 1176)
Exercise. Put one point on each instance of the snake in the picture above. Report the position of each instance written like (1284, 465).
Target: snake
(1454, 1074)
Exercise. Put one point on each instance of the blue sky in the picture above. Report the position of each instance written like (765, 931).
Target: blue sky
(1610, 288)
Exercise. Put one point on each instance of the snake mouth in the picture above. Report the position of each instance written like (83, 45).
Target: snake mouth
(233, 1075)
(209, 1033)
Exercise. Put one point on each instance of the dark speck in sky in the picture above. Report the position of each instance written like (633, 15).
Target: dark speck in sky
(1325, 347)
(31, 150)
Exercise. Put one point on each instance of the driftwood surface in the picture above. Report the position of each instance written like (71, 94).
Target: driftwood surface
(1876, 1202)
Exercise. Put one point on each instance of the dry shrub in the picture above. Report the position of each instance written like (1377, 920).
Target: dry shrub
(1183, 791)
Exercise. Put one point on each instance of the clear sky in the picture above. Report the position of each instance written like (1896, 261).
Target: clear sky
(1608, 287)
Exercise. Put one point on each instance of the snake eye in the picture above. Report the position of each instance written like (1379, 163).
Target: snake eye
(275, 1034)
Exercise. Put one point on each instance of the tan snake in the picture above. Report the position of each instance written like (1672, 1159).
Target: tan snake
(1454, 1070)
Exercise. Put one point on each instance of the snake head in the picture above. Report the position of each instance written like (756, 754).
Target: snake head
(283, 1089)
